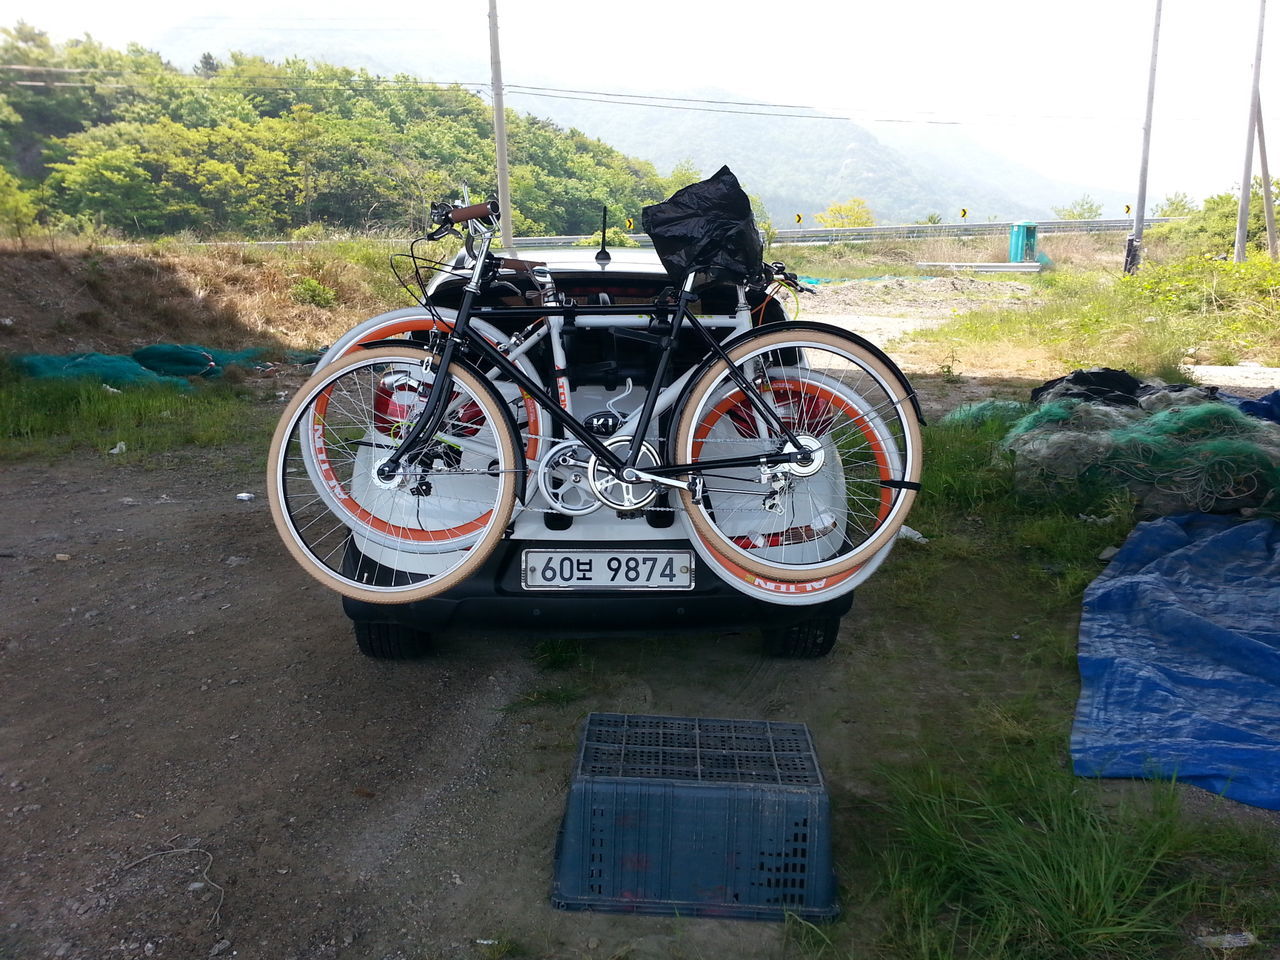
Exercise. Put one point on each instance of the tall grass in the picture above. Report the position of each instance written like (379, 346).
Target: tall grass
(48, 417)
(1033, 864)
(987, 847)
(1069, 251)
(1152, 324)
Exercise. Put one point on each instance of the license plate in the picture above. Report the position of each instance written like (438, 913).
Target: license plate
(608, 570)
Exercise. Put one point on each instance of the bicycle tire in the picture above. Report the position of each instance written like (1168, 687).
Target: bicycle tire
(851, 405)
(371, 540)
(411, 321)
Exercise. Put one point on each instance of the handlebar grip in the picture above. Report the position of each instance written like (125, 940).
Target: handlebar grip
(518, 265)
(474, 212)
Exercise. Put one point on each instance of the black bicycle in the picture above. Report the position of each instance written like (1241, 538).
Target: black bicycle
(792, 450)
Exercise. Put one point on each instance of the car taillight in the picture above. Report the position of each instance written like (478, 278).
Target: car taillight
(469, 414)
(396, 402)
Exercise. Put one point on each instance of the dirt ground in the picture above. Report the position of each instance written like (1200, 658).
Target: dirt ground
(195, 760)
(178, 686)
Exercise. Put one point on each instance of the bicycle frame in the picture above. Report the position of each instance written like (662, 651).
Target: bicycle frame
(624, 469)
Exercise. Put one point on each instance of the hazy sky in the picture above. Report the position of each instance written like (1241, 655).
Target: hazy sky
(1062, 86)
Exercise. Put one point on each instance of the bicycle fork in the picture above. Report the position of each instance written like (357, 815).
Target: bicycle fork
(433, 413)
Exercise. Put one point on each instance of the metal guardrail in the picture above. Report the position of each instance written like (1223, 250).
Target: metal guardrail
(924, 231)
(910, 231)
(1029, 267)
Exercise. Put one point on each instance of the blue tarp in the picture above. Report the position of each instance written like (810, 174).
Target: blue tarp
(1180, 658)
(1264, 408)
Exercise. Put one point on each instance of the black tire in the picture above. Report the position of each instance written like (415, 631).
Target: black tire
(803, 639)
(390, 641)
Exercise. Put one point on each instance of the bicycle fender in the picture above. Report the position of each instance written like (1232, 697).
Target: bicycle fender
(792, 325)
(859, 340)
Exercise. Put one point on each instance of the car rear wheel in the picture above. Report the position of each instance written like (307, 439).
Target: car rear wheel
(390, 641)
(803, 640)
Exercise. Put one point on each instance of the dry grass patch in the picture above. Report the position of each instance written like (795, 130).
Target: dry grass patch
(232, 297)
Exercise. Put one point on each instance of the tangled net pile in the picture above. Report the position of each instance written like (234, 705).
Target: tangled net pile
(1207, 456)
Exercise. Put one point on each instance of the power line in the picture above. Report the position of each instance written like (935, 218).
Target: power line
(672, 106)
(319, 84)
(648, 96)
(413, 81)
(356, 82)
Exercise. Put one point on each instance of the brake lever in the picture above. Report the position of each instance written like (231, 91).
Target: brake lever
(444, 230)
(789, 279)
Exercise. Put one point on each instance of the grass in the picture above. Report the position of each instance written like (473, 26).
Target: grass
(560, 695)
(1151, 325)
(978, 842)
(1085, 312)
(557, 652)
(280, 297)
(41, 418)
(502, 947)
(853, 261)
(1032, 863)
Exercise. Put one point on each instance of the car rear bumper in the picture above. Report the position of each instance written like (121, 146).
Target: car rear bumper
(495, 597)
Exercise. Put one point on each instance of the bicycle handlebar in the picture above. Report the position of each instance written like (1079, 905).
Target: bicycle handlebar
(476, 211)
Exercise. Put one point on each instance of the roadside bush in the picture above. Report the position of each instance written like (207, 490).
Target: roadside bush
(313, 292)
(1205, 285)
(1212, 229)
(614, 238)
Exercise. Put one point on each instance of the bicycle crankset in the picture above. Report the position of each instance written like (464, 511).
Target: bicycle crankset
(562, 478)
(616, 492)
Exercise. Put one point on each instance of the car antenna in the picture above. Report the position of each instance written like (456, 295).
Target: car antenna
(602, 255)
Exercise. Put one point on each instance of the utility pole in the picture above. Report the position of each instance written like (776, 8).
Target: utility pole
(1242, 215)
(1268, 207)
(1133, 250)
(500, 128)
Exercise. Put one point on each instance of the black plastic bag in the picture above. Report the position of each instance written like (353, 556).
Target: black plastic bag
(707, 228)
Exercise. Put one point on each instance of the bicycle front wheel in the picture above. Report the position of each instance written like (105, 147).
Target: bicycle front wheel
(800, 522)
(419, 533)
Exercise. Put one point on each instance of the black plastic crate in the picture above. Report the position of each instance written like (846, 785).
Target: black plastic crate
(696, 817)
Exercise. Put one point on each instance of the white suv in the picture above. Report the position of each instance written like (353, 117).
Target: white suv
(566, 562)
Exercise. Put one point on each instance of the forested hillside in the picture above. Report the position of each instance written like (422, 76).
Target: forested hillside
(92, 137)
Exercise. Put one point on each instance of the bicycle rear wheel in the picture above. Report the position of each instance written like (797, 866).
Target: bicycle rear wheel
(801, 523)
(425, 530)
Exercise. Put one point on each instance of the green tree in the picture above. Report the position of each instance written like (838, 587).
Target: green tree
(1211, 230)
(682, 175)
(853, 213)
(9, 120)
(207, 66)
(1086, 208)
(254, 146)
(110, 185)
(17, 209)
(1175, 205)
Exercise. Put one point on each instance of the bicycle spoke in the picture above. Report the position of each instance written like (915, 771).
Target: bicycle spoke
(424, 528)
